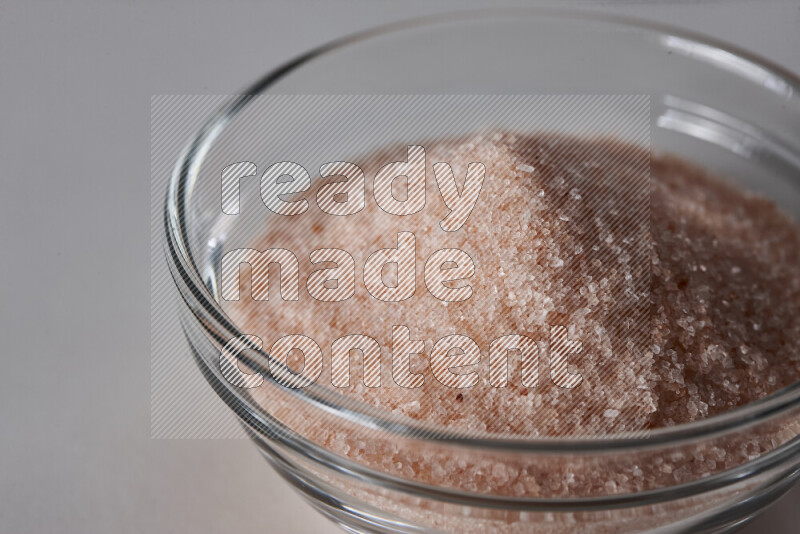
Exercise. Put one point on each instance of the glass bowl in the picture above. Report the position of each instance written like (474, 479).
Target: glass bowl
(710, 104)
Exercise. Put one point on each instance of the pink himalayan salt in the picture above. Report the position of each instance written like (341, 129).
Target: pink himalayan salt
(721, 330)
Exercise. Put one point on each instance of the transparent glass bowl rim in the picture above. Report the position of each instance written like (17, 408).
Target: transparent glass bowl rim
(207, 310)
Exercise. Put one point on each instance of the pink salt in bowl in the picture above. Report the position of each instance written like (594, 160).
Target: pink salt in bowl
(376, 470)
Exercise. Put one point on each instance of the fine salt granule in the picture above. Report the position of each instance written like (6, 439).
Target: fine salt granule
(683, 291)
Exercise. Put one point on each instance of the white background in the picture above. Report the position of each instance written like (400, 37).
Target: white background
(75, 82)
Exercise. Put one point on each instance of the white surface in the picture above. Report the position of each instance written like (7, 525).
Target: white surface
(75, 82)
